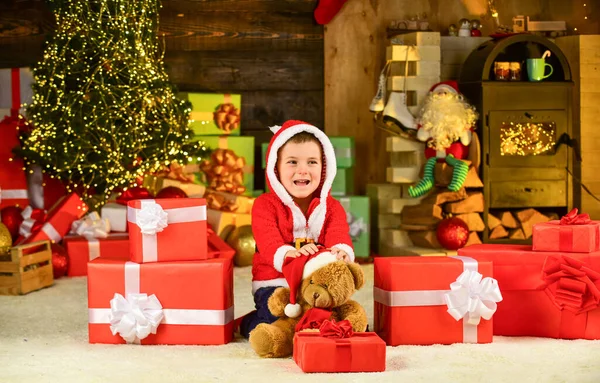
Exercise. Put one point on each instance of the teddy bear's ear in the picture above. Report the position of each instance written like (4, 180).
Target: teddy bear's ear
(357, 273)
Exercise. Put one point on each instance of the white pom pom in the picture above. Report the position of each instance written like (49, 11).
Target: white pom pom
(292, 310)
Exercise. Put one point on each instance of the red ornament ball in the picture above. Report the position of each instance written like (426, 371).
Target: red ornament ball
(60, 260)
(12, 218)
(452, 233)
(171, 192)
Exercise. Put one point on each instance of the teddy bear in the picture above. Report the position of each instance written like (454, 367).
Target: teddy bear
(320, 294)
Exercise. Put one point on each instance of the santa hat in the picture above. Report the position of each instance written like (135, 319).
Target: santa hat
(445, 86)
(295, 270)
(282, 134)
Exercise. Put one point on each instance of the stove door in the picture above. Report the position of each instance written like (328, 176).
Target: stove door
(527, 138)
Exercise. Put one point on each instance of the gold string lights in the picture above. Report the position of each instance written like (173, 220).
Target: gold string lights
(527, 139)
(104, 113)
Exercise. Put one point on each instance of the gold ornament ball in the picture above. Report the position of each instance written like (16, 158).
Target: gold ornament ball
(5, 239)
(242, 241)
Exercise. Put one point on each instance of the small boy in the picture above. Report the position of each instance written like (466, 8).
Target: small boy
(297, 215)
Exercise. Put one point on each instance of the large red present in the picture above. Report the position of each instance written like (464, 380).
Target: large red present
(181, 302)
(169, 229)
(58, 220)
(434, 300)
(546, 294)
(574, 233)
(361, 352)
(13, 181)
(81, 250)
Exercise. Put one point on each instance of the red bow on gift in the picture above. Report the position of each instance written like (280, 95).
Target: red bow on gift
(339, 330)
(133, 193)
(572, 285)
(33, 219)
(572, 218)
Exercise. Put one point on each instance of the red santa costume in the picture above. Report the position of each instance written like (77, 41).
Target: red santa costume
(278, 222)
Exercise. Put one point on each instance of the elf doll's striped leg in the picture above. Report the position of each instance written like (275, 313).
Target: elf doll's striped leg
(459, 174)
(426, 183)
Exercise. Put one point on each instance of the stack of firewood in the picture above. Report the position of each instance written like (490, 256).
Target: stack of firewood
(517, 225)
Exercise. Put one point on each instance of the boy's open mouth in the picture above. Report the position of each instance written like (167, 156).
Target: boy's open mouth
(301, 182)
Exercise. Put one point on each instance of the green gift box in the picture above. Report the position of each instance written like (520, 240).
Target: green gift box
(242, 146)
(343, 147)
(214, 114)
(357, 214)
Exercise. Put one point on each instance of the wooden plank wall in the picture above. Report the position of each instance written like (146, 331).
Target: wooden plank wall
(355, 44)
(269, 51)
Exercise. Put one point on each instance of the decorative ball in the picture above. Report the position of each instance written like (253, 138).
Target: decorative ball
(242, 241)
(452, 233)
(12, 218)
(171, 192)
(60, 260)
(5, 238)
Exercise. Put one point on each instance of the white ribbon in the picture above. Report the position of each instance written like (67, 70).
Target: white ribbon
(136, 317)
(51, 232)
(470, 298)
(152, 219)
(13, 194)
(28, 222)
(91, 226)
(124, 308)
(488, 290)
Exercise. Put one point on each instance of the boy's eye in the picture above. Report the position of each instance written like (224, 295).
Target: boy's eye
(313, 162)
(291, 162)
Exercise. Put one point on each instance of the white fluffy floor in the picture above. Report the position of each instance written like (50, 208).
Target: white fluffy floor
(43, 338)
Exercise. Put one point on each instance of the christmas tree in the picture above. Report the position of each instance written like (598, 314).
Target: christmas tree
(104, 113)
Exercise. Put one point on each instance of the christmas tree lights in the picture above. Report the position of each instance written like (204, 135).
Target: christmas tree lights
(104, 113)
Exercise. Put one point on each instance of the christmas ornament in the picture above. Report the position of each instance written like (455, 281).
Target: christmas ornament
(60, 261)
(452, 233)
(242, 241)
(171, 192)
(12, 218)
(5, 239)
(327, 9)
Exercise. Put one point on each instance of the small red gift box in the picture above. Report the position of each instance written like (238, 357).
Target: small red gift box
(546, 294)
(362, 352)
(182, 302)
(169, 229)
(424, 300)
(81, 250)
(58, 220)
(574, 233)
(217, 248)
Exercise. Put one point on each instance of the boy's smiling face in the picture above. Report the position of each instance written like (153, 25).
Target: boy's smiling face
(299, 168)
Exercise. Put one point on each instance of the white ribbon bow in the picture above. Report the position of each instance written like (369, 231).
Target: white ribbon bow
(471, 298)
(136, 317)
(28, 222)
(152, 219)
(91, 226)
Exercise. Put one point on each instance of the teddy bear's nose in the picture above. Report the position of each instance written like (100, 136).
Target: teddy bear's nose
(315, 295)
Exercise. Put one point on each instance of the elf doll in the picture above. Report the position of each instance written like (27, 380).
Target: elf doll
(445, 123)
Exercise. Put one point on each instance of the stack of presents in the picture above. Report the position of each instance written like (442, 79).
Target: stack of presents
(550, 289)
(357, 207)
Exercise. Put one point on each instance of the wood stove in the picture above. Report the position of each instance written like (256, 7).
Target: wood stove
(520, 125)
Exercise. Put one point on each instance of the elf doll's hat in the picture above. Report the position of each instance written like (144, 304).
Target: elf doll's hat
(295, 270)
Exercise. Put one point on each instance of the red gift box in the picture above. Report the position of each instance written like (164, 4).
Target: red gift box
(196, 299)
(412, 306)
(169, 229)
(217, 248)
(58, 220)
(13, 181)
(81, 250)
(562, 236)
(362, 352)
(535, 286)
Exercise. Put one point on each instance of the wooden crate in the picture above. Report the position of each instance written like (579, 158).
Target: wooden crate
(28, 269)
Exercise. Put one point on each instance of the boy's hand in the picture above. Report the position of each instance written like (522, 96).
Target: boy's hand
(340, 254)
(292, 254)
(308, 249)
